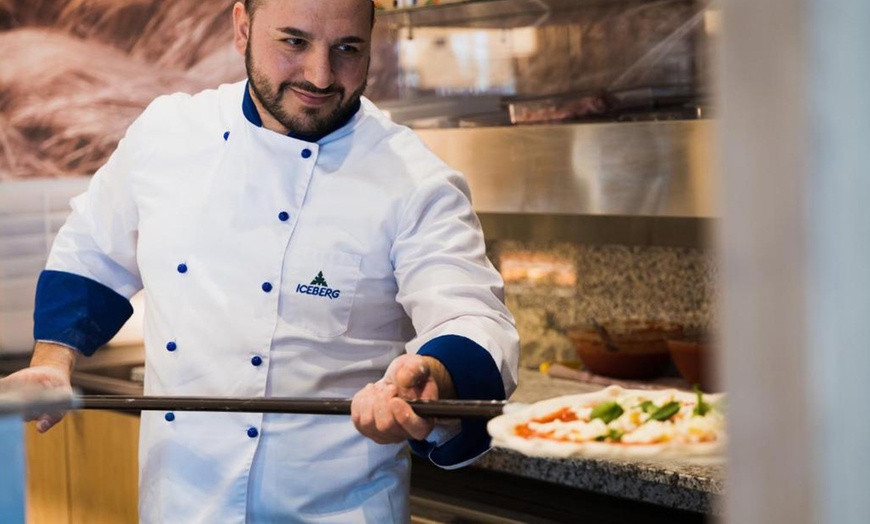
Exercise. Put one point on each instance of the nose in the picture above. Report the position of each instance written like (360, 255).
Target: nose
(318, 68)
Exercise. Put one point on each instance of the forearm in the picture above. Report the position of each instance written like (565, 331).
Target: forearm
(55, 356)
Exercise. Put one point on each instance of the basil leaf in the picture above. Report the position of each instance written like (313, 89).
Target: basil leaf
(702, 408)
(667, 411)
(647, 406)
(614, 435)
(607, 412)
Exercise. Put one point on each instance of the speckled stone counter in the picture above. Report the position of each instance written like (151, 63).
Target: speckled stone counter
(677, 485)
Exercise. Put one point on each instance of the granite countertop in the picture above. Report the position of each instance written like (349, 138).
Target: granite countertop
(686, 486)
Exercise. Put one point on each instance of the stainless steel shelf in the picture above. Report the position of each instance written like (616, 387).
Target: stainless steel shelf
(643, 169)
(488, 13)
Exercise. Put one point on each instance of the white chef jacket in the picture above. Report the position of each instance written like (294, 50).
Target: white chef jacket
(275, 266)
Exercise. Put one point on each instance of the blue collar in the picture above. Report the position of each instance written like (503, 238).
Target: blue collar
(253, 116)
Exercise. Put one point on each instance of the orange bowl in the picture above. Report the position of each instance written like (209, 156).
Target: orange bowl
(692, 360)
(635, 349)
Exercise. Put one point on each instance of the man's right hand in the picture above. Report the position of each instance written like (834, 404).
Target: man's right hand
(50, 368)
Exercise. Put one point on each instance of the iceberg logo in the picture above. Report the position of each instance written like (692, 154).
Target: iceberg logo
(319, 288)
(319, 280)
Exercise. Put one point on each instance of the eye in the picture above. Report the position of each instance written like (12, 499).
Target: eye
(295, 42)
(347, 49)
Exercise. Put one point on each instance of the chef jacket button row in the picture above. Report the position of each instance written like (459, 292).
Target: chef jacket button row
(283, 216)
(306, 153)
(256, 360)
(266, 287)
(252, 432)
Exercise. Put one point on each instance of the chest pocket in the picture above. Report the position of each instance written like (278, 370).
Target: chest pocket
(320, 289)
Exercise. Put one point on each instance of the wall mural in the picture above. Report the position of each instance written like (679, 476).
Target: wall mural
(75, 73)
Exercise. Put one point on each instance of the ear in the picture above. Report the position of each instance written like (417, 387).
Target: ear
(241, 28)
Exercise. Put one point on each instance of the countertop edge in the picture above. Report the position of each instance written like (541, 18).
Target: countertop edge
(637, 481)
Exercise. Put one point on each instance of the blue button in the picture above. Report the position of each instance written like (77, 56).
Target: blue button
(267, 287)
(306, 153)
(226, 135)
(256, 361)
(283, 216)
(171, 346)
(182, 268)
(169, 416)
(252, 432)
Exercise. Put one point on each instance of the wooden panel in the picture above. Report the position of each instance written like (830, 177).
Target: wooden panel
(47, 475)
(103, 463)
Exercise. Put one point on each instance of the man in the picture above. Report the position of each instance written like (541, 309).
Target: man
(292, 242)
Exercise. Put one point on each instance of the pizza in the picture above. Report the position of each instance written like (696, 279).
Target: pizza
(617, 423)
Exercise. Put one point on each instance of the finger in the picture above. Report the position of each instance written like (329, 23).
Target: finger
(385, 423)
(429, 391)
(360, 407)
(383, 427)
(413, 425)
(367, 407)
(411, 372)
(390, 373)
(44, 423)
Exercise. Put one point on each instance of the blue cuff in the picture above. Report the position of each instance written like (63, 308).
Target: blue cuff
(475, 377)
(77, 312)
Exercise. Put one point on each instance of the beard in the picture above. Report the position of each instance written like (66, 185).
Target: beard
(310, 121)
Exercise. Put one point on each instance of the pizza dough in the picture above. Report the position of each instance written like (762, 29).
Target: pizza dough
(617, 423)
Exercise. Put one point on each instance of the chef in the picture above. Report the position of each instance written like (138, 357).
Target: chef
(292, 241)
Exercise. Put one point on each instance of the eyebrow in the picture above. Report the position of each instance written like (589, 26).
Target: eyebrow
(292, 31)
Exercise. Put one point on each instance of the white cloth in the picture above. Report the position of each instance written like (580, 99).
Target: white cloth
(372, 216)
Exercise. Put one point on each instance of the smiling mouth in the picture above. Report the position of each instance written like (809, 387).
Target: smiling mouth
(313, 99)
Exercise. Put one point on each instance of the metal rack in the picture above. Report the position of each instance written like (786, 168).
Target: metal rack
(487, 13)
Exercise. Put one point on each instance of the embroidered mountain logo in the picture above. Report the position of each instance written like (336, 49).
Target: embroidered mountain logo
(319, 280)
(318, 287)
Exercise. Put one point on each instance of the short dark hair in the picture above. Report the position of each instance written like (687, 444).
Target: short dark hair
(252, 5)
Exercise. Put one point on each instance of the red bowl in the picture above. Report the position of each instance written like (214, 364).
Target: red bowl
(692, 359)
(635, 349)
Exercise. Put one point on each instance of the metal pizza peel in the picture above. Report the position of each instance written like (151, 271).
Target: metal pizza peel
(486, 409)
